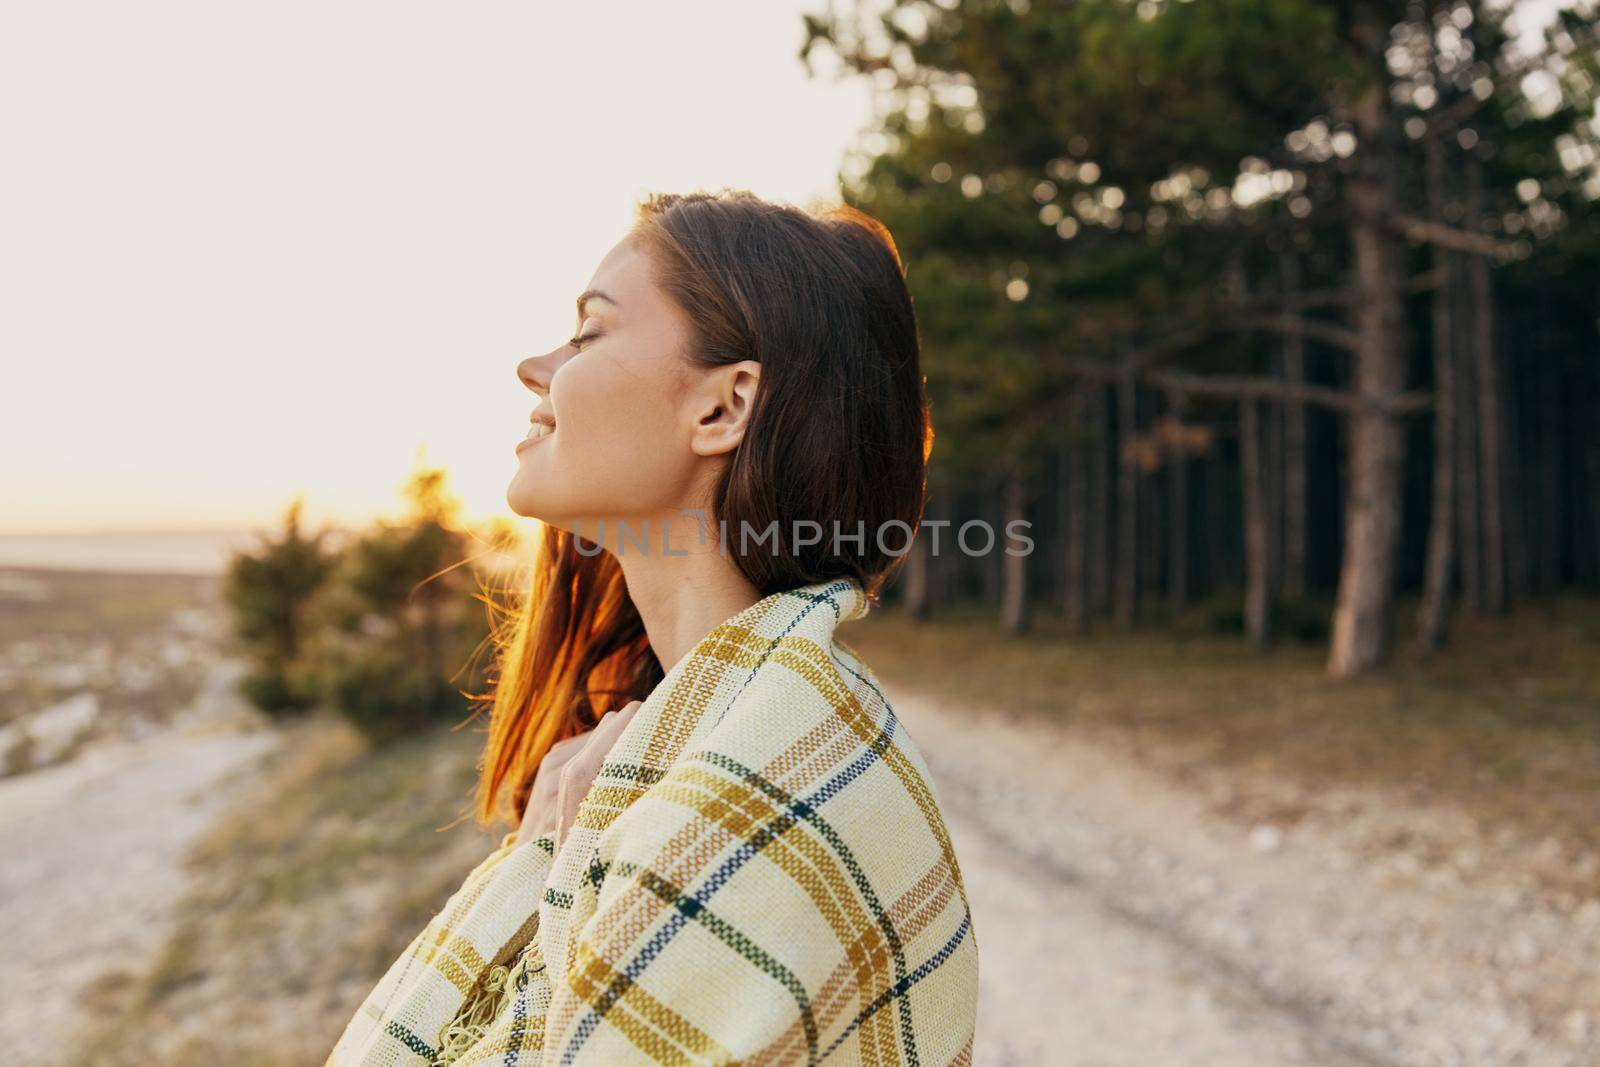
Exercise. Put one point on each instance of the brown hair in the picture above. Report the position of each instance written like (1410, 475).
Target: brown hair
(839, 433)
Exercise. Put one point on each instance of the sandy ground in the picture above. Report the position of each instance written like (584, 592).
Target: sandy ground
(1120, 923)
(94, 862)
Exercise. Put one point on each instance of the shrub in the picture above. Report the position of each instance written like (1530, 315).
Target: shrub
(397, 619)
(269, 593)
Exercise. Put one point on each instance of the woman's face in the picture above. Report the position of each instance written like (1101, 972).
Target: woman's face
(635, 423)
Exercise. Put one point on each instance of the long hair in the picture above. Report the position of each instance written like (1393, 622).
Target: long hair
(839, 435)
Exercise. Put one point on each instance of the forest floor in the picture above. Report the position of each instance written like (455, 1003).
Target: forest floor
(1176, 852)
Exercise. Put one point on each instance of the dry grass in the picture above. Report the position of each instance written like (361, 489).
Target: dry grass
(67, 617)
(1503, 725)
(303, 896)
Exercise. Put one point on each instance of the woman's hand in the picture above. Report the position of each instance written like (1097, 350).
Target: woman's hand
(565, 775)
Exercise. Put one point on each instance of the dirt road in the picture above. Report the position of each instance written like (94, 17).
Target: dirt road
(1119, 923)
(94, 861)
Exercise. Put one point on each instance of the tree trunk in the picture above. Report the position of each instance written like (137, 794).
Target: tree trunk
(1553, 475)
(1152, 546)
(1294, 444)
(1272, 488)
(1216, 497)
(1441, 520)
(1077, 608)
(1469, 525)
(1519, 515)
(991, 570)
(1099, 502)
(1361, 621)
(1591, 456)
(1491, 445)
(1127, 603)
(916, 579)
(943, 564)
(1014, 564)
(1177, 515)
(1257, 574)
(1061, 493)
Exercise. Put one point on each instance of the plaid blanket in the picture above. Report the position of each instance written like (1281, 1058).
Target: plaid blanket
(760, 874)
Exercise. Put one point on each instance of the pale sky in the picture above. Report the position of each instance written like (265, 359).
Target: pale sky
(249, 250)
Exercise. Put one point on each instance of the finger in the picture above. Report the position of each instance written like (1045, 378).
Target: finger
(559, 830)
(573, 741)
(620, 718)
(610, 725)
(602, 723)
(563, 752)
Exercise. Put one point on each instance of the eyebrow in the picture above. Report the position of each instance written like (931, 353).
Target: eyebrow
(593, 294)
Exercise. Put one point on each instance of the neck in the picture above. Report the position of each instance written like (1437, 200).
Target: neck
(685, 592)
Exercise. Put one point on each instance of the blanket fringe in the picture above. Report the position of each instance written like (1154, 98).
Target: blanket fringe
(486, 1004)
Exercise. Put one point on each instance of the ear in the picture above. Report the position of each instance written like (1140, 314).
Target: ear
(721, 407)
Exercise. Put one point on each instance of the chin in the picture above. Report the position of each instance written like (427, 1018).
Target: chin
(533, 502)
(525, 501)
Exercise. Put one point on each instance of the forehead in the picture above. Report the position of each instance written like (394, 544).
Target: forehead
(624, 274)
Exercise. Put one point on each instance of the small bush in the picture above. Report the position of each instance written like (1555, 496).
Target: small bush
(387, 694)
(272, 692)
(378, 630)
(269, 593)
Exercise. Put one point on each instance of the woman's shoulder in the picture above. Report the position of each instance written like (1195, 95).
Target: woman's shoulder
(799, 824)
(810, 747)
(802, 707)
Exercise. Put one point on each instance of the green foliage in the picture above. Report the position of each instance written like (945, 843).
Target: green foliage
(381, 687)
(1089, 150)
(272, 691)
(399, 619)
(269, 594)
(1088, 192)
(383, 632)
(1022, 147)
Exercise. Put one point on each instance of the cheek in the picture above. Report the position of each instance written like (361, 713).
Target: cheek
(624, 454)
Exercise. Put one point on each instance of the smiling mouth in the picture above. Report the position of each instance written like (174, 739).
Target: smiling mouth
(537, 432)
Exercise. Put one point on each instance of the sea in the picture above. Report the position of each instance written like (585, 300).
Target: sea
(122, 551)
(187, 551)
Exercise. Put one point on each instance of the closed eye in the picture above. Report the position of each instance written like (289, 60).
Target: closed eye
(578, 341)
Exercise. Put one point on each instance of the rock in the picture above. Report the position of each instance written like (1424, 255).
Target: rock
(15, 586)
(1266, 838)
(136, 675)
(27, 653)
(56, 730)
(14, 749)
(67, 675)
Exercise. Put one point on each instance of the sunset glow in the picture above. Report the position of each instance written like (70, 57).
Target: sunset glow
(251, 252)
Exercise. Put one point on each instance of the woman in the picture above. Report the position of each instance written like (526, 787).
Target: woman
(737, 858)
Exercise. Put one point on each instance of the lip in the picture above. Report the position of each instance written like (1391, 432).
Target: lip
(540, 416)
(529, 442)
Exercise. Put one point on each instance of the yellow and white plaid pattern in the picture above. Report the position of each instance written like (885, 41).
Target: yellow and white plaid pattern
(760, 874)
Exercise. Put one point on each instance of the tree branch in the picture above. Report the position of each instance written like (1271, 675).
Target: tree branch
(1243, 387)
(1427, 231)
(1330, 332)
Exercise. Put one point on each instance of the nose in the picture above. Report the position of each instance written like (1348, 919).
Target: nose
(535, 372)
